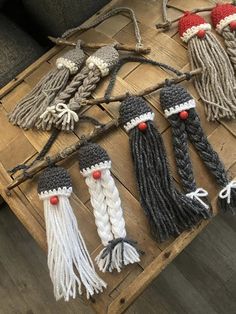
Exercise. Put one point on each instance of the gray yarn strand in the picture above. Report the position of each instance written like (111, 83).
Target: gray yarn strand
(216, 85)
(105, 16)
(230, 42)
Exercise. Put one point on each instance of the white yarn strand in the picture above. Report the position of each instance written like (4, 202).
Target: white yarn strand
(67, 253)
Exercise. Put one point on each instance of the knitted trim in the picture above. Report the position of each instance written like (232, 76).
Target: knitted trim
(70, 65)
(103, 66)
(143, 118)
(186, 105)
(101, 166)
(60, 191)
(225, 22)
(190, 32)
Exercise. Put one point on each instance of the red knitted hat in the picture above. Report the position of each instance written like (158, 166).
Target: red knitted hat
(191, 25)
(223, 15)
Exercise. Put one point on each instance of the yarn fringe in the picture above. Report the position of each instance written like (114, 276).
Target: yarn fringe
(217, 84)
(118, 253)
(69, 262)
(29, 109)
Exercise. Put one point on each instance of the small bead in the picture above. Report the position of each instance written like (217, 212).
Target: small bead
(54, 200)
(201, 33)
(97, 174)
(232, 25)
(142, 126)
(183, 115)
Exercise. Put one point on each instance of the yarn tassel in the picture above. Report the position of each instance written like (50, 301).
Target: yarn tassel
(29, 109)
(223, 18)
(227, 194)
(169, 211)
(118, 251)
(179, 108)
(216, 85)
(69, 262)
(174, 101)
(63, 115)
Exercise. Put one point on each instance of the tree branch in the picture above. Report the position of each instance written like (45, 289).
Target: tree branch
(166, 25)
(137, 49)
(63, 154)
(143, 92)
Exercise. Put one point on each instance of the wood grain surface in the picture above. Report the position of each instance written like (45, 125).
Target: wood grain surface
(17, 146)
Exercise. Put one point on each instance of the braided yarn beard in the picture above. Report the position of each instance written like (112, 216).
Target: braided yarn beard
(216, 85)
(169, 211)
(230, 43)
(211, 159)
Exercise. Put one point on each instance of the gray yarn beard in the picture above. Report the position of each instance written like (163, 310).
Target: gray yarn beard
(216, 85)
(82, 86)
(29, 109)
(230, 42)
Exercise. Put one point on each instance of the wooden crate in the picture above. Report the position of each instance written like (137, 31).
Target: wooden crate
(17, 146)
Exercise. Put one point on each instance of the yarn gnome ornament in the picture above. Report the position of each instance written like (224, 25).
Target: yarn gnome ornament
(223, 18)
(69, 262)
(63, 115)
(29, 109)
(95, 166)
(179, 108)
(168, 210)
(216, 84)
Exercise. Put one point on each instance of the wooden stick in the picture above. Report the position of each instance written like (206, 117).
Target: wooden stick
(61, 41)
(70, 150)
(143, 92)
(166, 25)
(63, 154)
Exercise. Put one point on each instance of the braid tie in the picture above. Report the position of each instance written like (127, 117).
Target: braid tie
(197, 194)
(226, 192)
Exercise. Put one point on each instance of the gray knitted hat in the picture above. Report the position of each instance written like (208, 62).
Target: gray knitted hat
(72, 59)
(133, 111)
(104, 58)
(174, 99)
(93, 157)
(54, 178)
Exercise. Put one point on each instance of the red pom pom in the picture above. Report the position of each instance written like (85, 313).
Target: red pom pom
(97, 174)
(142, 126)
(232, 25)
(183, 115)
(221, 11)
(201, 33)
(54, 200)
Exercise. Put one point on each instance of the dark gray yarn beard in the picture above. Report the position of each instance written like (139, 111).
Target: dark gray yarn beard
(210, 158)
(183, 161)
(169, 211)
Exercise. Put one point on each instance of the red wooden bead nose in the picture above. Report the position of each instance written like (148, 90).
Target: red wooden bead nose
(201, 33)
(232, 25)
(97, 174)
(142, 126)
(183, 115)
(54, 200)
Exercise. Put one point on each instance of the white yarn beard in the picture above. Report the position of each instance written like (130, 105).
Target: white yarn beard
(68, 258)
(110, 222)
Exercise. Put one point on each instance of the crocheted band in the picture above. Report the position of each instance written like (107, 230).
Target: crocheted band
(103, 66)
(176, 109)
(66, 63)
(225, 22)
(60, 191)
(53, 179)
(101, 166)
(191, 32)
(149, 116)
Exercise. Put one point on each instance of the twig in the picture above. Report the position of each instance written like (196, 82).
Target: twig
(166, 25)
(64, 154)
(143, 92)
(137, 49)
